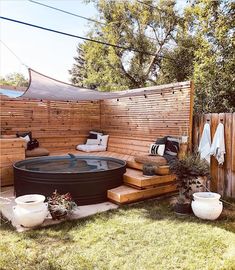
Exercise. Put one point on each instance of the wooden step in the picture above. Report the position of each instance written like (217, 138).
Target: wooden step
(136, 178)
(125, 194)
(161, 170)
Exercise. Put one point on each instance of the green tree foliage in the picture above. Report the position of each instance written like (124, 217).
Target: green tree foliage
(14, 79)
(178, 64)
(127, 24)
(78, 67)
(212, 25)
(198, 45)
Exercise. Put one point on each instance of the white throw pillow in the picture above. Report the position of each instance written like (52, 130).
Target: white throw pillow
(90, 148)
(95, 132)
(26, 138)
(157, 149)
(103, 140)
(92, 142)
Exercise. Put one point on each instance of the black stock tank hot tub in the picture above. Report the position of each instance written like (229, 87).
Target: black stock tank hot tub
(86, 178)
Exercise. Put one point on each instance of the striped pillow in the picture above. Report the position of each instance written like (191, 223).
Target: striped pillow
(156, 149)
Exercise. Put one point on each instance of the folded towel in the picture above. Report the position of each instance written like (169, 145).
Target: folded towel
(205, 144)
(218, 145)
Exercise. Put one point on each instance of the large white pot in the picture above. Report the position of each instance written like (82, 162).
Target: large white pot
(30, 210)
(206, 205)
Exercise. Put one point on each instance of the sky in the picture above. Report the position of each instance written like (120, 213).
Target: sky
(48, 53)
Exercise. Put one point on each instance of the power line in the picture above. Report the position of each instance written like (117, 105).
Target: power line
(73, 14)
(66, 12)
(75, 36)
(17, 57)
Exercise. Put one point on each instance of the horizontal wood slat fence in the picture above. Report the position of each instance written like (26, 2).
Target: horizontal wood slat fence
(223, 177)
(166, 112)
(131, 122)
(54, 124)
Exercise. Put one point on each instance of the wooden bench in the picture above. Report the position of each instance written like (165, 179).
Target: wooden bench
(136, 186)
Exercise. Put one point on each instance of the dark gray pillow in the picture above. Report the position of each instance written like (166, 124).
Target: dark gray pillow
(161, 140)
(172, 146)
(92, 136)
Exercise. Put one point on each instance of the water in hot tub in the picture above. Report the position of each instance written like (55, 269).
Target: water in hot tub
(71, 165)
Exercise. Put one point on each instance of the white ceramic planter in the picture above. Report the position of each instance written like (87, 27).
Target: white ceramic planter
(206, 205)
(30, 210)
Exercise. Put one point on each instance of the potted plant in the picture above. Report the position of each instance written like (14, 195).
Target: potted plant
(191, 173)
(60, 205)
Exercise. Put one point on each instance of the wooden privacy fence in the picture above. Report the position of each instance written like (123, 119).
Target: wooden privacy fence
(223, 177)
(54, 124)
(167, 111)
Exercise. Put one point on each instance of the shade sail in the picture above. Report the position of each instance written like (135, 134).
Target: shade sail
(45, 88)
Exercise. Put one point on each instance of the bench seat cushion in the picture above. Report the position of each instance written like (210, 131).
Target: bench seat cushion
(37, 152)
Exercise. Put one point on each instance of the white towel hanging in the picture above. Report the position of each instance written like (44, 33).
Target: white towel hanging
(205, 143)
(218, 145)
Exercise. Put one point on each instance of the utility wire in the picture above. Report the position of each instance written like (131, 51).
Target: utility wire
(75, 36)
(66, 12)
(76, 15)
(17, 57)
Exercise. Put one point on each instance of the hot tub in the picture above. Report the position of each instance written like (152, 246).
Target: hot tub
(86, 178)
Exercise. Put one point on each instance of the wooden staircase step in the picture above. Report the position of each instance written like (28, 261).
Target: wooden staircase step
(125, 194)
(161, 170)
(136, 178)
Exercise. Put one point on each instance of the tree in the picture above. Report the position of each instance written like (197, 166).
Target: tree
(212, 25)
(178, 64)
(14, 79)
(147, 28)
(78, 72)
(198, 45)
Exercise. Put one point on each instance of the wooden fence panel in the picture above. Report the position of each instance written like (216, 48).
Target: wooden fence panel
(54, 124)
(223, 176)
(166, 112)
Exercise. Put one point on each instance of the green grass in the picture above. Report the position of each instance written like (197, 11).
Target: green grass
(147, 236)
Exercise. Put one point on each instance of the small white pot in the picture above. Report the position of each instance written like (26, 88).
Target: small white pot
(30, 210)
(206, 205)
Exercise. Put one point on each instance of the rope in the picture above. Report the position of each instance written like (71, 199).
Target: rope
(220, 199)
(17, 57)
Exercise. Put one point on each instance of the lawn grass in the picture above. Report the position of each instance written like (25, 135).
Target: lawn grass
(147, 236)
